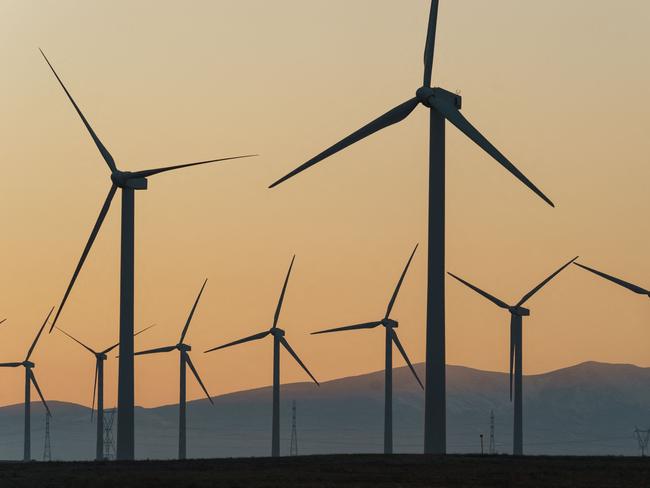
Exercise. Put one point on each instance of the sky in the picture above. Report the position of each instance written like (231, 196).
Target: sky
(562, 88)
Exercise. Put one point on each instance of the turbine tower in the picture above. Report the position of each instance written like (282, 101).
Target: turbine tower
(517, 313)
(391, 338)
(98, 388)
(30, 379)
(443, 106)
(624, 284)
(278, 339)
(128, 182)
(184, 350)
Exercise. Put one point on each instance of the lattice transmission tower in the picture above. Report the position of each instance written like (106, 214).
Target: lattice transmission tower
(47, 448)
(491, 446)
(109, 445)
(642, 437)
(293, 449)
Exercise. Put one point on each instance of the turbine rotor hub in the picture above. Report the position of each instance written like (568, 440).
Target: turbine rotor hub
(423, 95)
(29, 364)
(277, 332)
(426, 94)
(183, 347)
(102, 356)
(390, 323)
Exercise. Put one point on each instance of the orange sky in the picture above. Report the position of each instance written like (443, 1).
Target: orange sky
(562, 88)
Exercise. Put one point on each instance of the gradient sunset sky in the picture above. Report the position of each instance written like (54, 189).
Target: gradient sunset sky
(562, 88)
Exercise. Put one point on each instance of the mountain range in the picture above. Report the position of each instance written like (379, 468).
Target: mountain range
(588, 409)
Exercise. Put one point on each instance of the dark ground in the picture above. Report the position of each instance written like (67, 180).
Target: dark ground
(337, 471)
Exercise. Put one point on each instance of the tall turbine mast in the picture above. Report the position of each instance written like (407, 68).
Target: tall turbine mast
(444, 106)
(128, 182)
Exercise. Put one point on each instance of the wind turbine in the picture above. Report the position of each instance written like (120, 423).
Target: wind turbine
(443, 106)
(98, 388)
(30, 379)
(184, 350)
(618, 281)
(517, 312)
(391, 337)
(278, 339)
(128, 182)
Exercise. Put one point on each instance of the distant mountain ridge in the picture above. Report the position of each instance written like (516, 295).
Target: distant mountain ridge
(589, 408)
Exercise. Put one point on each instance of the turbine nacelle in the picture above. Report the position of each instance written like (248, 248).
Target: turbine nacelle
(123, 179)
(425, 94)
(29, 364)
(183, 347)
(101, 356)
(519, 311)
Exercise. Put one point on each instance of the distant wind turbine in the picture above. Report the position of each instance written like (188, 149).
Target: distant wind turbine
(443, 106)
(278, 339)
(3, 321)
(98, 388)
(618, 281)
(517, 312)
(184, 350)
(30, 379)
(391, 337)
(128, 182)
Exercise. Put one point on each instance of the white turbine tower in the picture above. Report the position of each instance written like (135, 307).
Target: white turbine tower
(30, 379)
(184, 351)
(278, 340)
(391, 338)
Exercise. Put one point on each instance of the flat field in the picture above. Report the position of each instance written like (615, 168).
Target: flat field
(336, 471)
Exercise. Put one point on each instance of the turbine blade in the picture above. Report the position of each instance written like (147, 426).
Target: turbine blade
(76, 340)
(84, 254)
(198, 378)
(406, 358)
(453, 115)
(391, 117)
(150, 172)
(543, 283)
(155, 351)
(399, 283)
(625, 284)
(40, 393)
(429, 47)
(3, 321)
(254, 337)
(10, 365)
(92, 406)
(106, 351)
(40, 331)
(493, 299)
(104, 152)
(367, 325)
(513, 331)
(189, 318)
(281, 299)
(286, 345)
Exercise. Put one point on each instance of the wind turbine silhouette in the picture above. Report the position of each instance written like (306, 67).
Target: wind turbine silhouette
(443, 106)
(618, 281)
(391, 337)
(278, 339)
(517, 312)
(98, 388)
(30, 379)
(128, 182)
(184, 350)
